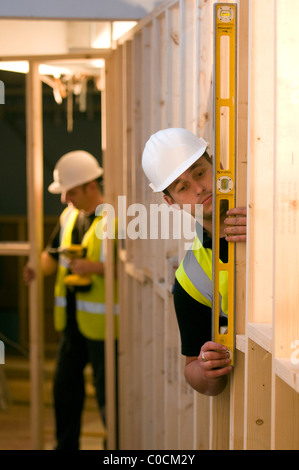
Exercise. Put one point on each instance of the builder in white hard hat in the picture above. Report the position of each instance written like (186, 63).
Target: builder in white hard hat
(177, 163)
(79, 298)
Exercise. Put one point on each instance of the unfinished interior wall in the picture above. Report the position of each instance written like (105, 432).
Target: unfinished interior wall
(159, 76)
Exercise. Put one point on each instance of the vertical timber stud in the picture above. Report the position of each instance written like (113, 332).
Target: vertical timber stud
(225, 25)
(35, 228)
(110, 105)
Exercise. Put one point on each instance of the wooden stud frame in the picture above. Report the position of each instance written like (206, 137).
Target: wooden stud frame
(166, 81)
(33, 248)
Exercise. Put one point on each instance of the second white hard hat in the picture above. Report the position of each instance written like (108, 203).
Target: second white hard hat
(169, 153)
(74, 169)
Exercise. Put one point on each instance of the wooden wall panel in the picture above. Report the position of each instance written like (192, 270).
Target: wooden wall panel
(285, 435)
(261, 155)
(258, 409)
(172, 342)
(237, 378)
(166, 81)
(286, 170)
(286, 223)
(187, 70)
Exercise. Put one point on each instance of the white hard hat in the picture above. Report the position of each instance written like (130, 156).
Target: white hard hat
(168, 153)
(73, 169)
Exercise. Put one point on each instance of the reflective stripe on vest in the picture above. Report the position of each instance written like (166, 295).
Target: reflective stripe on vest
(93, 307)
(195, 276)
(60, 302)
(63, 262)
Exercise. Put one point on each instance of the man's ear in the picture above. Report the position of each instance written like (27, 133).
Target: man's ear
(168, 199)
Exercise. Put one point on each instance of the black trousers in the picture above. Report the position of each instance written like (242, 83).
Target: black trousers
(69, 387)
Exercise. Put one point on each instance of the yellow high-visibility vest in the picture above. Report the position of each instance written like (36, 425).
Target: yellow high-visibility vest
(195, 276)
(90, 305)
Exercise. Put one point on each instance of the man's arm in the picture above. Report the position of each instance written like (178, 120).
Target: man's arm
(48, 264)
(194, 320)
(207, 373)
(86, 266)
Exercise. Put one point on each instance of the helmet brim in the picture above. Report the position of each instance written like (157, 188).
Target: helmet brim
(57, 188)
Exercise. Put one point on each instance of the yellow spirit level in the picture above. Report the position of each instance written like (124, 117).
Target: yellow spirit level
(224, 161)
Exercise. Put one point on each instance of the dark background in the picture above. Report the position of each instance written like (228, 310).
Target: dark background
(86, 135)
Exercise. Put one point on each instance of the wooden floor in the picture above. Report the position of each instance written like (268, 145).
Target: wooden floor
(15, 410)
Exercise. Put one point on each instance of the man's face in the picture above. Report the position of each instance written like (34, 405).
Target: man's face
(194, 186)
(77, 197)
